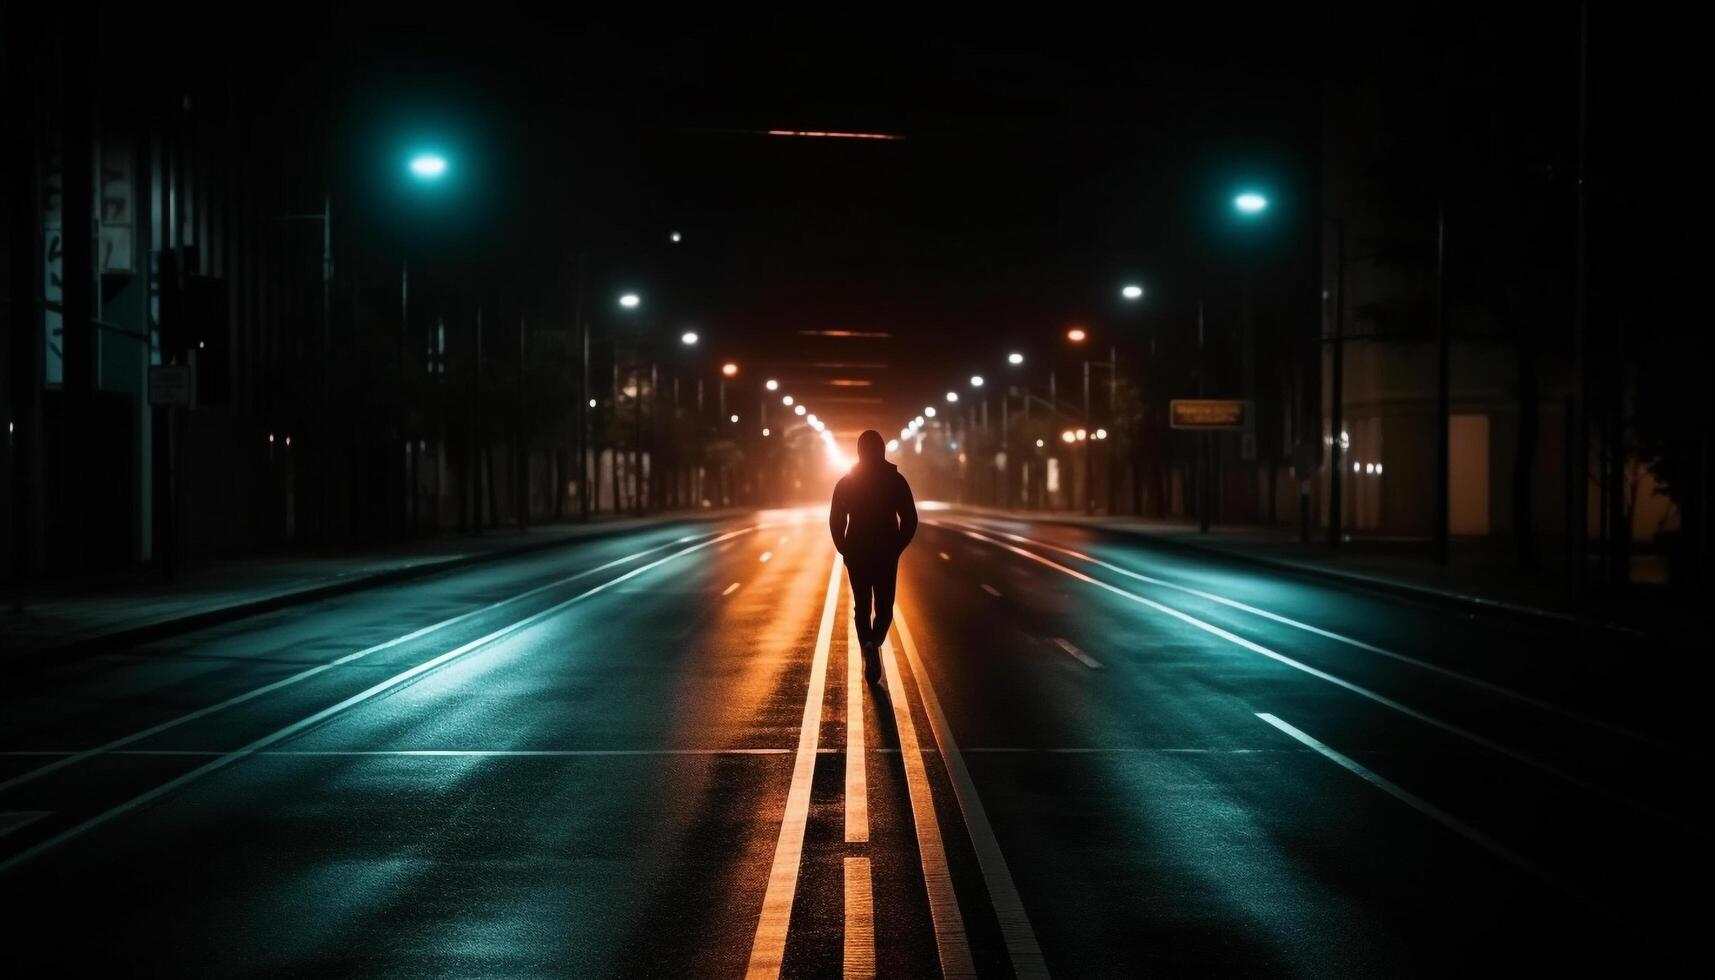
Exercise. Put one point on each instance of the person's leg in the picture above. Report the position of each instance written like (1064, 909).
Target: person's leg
(883, 583)
(862, 593)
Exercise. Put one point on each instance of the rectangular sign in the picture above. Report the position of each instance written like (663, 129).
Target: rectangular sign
(171, 384)
(1209, 413)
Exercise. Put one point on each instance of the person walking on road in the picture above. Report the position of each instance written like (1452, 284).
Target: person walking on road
(872, 519)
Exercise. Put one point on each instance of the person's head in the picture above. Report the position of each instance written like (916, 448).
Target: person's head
(870, 447)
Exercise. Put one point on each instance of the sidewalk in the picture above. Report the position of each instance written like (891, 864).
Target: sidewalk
(1482, 573)
(135, 606)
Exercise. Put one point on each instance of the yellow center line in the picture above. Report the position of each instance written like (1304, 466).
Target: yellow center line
(857, 783)
(951, 944)
(768, 949)
(860, 921)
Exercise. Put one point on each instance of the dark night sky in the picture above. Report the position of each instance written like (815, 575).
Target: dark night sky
(1042, 167)
(1046, 161)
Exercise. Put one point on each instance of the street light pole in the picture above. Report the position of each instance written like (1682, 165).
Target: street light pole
(1338, 385)
(1443, 386)
(1205, 447)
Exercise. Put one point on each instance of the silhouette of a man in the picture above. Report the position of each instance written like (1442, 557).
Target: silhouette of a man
(872, 519)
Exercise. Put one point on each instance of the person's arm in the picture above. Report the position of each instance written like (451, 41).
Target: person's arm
(837, 514)
(906, 508)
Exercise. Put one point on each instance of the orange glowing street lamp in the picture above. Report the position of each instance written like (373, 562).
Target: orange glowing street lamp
(1076, 335)
(729, 369)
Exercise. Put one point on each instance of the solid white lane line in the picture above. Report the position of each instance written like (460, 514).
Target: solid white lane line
(768, 949)
(991, 590)
(859, 960)
(857, 781)
(1077, 654)
(1433, 668)
(729, 590)
(1015, 928)
(15, 820)
(1451, 822)
(1520, 757)
(304, 675)
(221, 762)
(951, 944)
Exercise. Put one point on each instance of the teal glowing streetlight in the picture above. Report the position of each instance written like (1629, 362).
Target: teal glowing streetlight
(428, 166)
(1250, 203)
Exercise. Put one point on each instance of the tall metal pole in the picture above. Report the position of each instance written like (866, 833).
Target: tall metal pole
(521, 457)
(586, 485)
(1113, 420)
(1577, 517)
(1089, 460)
(1443, 389)
(1205, 447)
(1337, 396)
(474, 477)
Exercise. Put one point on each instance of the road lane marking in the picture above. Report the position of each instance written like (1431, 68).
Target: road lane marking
(729, 590)
(304, 675)
(279, 735)
(768, 949)
(1523, 758)
(12, 821)
(859, 960)
(1456, 825)
(857, 781)
(1077, 654)
(1433, 668)
(1015, 928)
(951, 944)
(479, 753)
(991, 590)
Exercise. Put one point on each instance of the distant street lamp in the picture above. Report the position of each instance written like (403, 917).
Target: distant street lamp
(729, 369)
(952, 396)
(630, 301)
(1132, 292)
(1250, 202)
(675, 237)
(1076, 335)
(799, 410)
(428, 166)
(976, 381)
(929, 411)
(786, 400)
(1015, 358)
(771, 384)
(688, 338)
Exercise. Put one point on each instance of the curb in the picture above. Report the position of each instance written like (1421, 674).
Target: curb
(1424, 595)
(160, 629)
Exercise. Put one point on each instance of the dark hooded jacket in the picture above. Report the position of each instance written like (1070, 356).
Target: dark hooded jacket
(873, 516)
